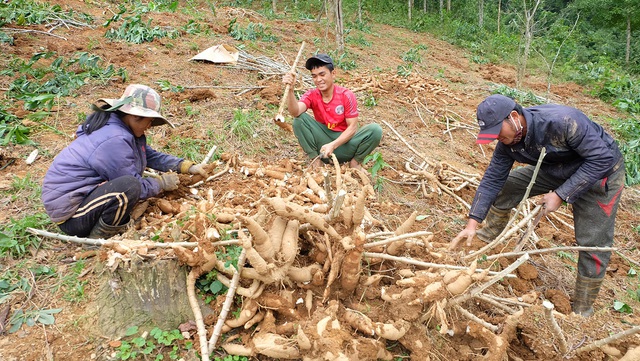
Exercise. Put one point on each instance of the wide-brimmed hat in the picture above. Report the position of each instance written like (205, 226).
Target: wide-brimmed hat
(318, 60)
(139, 100)
(491, 113)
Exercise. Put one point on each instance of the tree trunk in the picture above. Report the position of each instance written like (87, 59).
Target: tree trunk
(441, 11)
(628, 50)
(339, 24)
(529, 23)
(273, 6)
(424, 6)
(142, 293)
(360, 11)
(410, 6)
(448, 5)
(499, 13)
(480, 13)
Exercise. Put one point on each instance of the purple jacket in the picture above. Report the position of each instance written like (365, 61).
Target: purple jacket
(106, 154)
(578, 152)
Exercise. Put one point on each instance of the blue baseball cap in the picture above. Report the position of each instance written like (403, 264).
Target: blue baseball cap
(491, 113)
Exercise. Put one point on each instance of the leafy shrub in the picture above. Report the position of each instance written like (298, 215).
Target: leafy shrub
(26, 12)
(134, 30)
(628, 131)
(11, 129)
(156, 345)
(15, 240)
(253, 31)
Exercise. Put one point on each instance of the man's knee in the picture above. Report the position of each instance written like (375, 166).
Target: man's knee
(375, 132)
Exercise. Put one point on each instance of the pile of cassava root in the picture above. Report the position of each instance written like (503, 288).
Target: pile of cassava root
(318, 278)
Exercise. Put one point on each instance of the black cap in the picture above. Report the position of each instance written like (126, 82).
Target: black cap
(491, 113)
(318, 60)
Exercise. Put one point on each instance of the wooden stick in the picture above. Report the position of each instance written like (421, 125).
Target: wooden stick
(506, 232)
(494, 303)
(397, 238)
(476, 319)
(228, 301)
(209, 155)
(279, 117)
(509, 232)
(427, 264)
(557, 331)
(197, 313)
(549, 250)
(128, 242)
(609, 339)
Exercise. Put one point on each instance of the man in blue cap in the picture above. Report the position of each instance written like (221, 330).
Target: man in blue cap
(335, 109)
(583, 167)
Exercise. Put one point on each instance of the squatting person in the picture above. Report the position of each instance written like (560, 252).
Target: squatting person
(583, 167)
(92, 186)
(333, 129)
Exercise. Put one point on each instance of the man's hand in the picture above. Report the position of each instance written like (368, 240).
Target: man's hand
(327, 150)
(467, 233)
(550, 203)
(198, 169)
(169, 181)
(289, 79)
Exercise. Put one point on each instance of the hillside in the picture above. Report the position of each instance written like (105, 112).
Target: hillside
(426, 106)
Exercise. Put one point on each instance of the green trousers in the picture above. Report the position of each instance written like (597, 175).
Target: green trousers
(312, 135)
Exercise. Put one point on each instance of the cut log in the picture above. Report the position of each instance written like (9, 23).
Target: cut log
(142, 293)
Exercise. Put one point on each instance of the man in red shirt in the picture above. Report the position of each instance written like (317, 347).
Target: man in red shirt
(335, 127)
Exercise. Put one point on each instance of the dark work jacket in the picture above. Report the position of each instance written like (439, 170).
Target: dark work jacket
(578, 152)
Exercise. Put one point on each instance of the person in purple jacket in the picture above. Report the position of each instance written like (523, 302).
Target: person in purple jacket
(94, 183)
(583, 167)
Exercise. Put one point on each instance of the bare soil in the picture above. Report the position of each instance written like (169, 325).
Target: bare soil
(433, 112)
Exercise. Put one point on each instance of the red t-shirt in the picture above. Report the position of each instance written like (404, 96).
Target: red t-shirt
(343, 105)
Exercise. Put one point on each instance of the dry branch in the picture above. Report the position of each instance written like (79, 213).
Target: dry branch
(555, 249)
(228, 301)
(427, 264)
(557, 331)
(608, 340)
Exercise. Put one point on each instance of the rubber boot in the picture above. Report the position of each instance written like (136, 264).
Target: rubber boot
(105, 231)
(495, 222)
(585, 294)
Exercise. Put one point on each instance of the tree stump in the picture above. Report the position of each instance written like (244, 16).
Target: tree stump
(142, 293)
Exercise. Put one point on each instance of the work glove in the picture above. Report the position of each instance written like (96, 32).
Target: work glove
(169, 181)
(198, 169)
(189, 167)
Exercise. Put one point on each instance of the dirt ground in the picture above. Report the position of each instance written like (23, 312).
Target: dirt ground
(427, 119)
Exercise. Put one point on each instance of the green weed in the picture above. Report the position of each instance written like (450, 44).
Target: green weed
(165, 85)
(11, 129)
(378, 165)
(231, 358)
(413, 55)
(15, 240)
(253, 31)
(134, 30)
(370, 101)
(72, 286)
(11, 281)
(404, 70)
(357, 40)
(525, 98)
(40, 85)
(156, 345)
(31, 317)
(26, 12)
(343, 60)
(242, 126)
